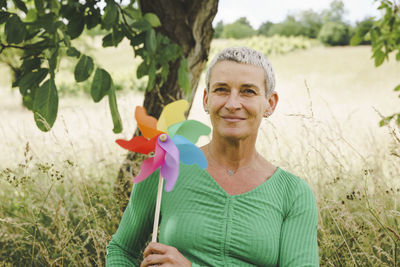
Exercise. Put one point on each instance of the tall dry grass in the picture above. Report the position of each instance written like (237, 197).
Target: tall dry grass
(56, 189)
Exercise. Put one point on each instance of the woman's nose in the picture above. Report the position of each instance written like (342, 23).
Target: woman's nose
(233, 102)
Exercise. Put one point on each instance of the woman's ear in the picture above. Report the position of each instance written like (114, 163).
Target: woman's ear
(205, 101)
(272, 101)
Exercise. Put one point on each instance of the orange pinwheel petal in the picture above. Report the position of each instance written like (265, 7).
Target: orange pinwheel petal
(147, 124)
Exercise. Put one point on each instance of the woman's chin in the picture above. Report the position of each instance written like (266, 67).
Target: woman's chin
(232, 133)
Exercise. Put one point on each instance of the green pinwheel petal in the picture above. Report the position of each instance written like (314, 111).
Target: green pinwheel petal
(190, 129)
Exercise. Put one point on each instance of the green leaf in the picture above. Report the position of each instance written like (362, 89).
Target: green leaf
(142, 70)
(141, 25)
(47, 21)
(28, 97)
(31, 80)
(84, 68)
(164, 72)
(31, 16)
(53, 60)
(133, 13)
(30, 64)
(397, 88)
(374, 35)
(183, 76)
(112, 101)
(39, 5)
(101, 84)
(398, 56)
(355, 40)
(152, 19)
(75, 26)
(379, 58)
(92, 20)
(4, 16)
(150, 41)
(138, 39)
(152, 76)
(3, 3)
(55, 6)
(110, 15)
(108, 40)
(15, 30)
(73, 52)
(66, 38)
(20, 5)
(45, 105)
(113, 38)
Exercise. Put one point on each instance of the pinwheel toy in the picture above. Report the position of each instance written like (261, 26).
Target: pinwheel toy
(172, 140)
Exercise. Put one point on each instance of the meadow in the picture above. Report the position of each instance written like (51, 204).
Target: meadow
(56, 189)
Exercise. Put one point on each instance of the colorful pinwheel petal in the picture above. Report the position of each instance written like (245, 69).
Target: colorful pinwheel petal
(139, 144)
(168, 151)
(151, 164)
(170, 167)
(172, 113)
(189, 153)
(147, 124)
(190, 129)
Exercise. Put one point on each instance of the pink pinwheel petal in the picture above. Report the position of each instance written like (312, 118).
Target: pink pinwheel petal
(170, 168)
(151, 164)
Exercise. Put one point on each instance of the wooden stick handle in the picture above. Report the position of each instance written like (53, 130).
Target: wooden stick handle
(157, 212)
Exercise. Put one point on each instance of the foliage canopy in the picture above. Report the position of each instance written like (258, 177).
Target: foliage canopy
(44, 30)
(384, 35)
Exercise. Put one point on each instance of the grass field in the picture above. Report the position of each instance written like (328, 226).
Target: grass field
(56, 189)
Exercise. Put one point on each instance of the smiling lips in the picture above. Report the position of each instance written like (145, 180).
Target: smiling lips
(232, 118)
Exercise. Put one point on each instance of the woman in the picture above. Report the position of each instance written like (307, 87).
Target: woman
(241, 211)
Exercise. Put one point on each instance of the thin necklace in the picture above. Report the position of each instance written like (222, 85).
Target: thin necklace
(230, 172)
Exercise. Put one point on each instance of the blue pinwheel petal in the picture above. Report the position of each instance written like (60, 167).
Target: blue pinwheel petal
(189, 153)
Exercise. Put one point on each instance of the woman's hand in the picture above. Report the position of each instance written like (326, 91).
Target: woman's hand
(158, 254)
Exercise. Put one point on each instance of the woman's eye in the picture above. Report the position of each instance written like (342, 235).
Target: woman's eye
(249, 91)
(220, 89)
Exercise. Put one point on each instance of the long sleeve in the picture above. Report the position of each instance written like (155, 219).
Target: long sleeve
(136, 225)
(299, 245)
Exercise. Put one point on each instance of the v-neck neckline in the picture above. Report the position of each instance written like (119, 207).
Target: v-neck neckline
(226, 194)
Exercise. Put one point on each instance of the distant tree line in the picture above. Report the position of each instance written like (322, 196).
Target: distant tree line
(328, 26)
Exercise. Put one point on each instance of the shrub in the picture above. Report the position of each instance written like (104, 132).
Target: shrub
(334, 33)
(289, 27)
(239, 29)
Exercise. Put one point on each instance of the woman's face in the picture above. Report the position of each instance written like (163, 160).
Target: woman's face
(236, 99)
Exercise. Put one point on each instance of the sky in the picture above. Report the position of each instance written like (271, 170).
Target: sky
(259, 11)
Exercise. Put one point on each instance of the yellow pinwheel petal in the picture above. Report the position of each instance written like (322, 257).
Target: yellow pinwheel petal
(172, 113)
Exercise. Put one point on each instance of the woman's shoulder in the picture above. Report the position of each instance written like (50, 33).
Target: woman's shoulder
(292, 183)
(297, 194)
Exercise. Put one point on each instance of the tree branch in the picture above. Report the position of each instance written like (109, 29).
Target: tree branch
(26, 47)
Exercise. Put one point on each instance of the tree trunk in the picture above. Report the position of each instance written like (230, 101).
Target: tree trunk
(188, 24)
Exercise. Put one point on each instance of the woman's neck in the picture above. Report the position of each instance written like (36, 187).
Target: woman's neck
(232, 154)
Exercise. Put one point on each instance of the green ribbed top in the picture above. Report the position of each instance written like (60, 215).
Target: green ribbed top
(274, 224)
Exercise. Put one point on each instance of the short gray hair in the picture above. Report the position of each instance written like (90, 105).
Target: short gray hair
(248, 56)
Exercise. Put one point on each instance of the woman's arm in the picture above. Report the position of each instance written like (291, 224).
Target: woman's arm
(136, 225)
(298, 244)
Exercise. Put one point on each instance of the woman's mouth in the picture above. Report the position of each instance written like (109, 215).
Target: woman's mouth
(232, 118)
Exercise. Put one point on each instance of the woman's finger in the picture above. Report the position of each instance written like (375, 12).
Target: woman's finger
(154, 259)
(155, 248)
